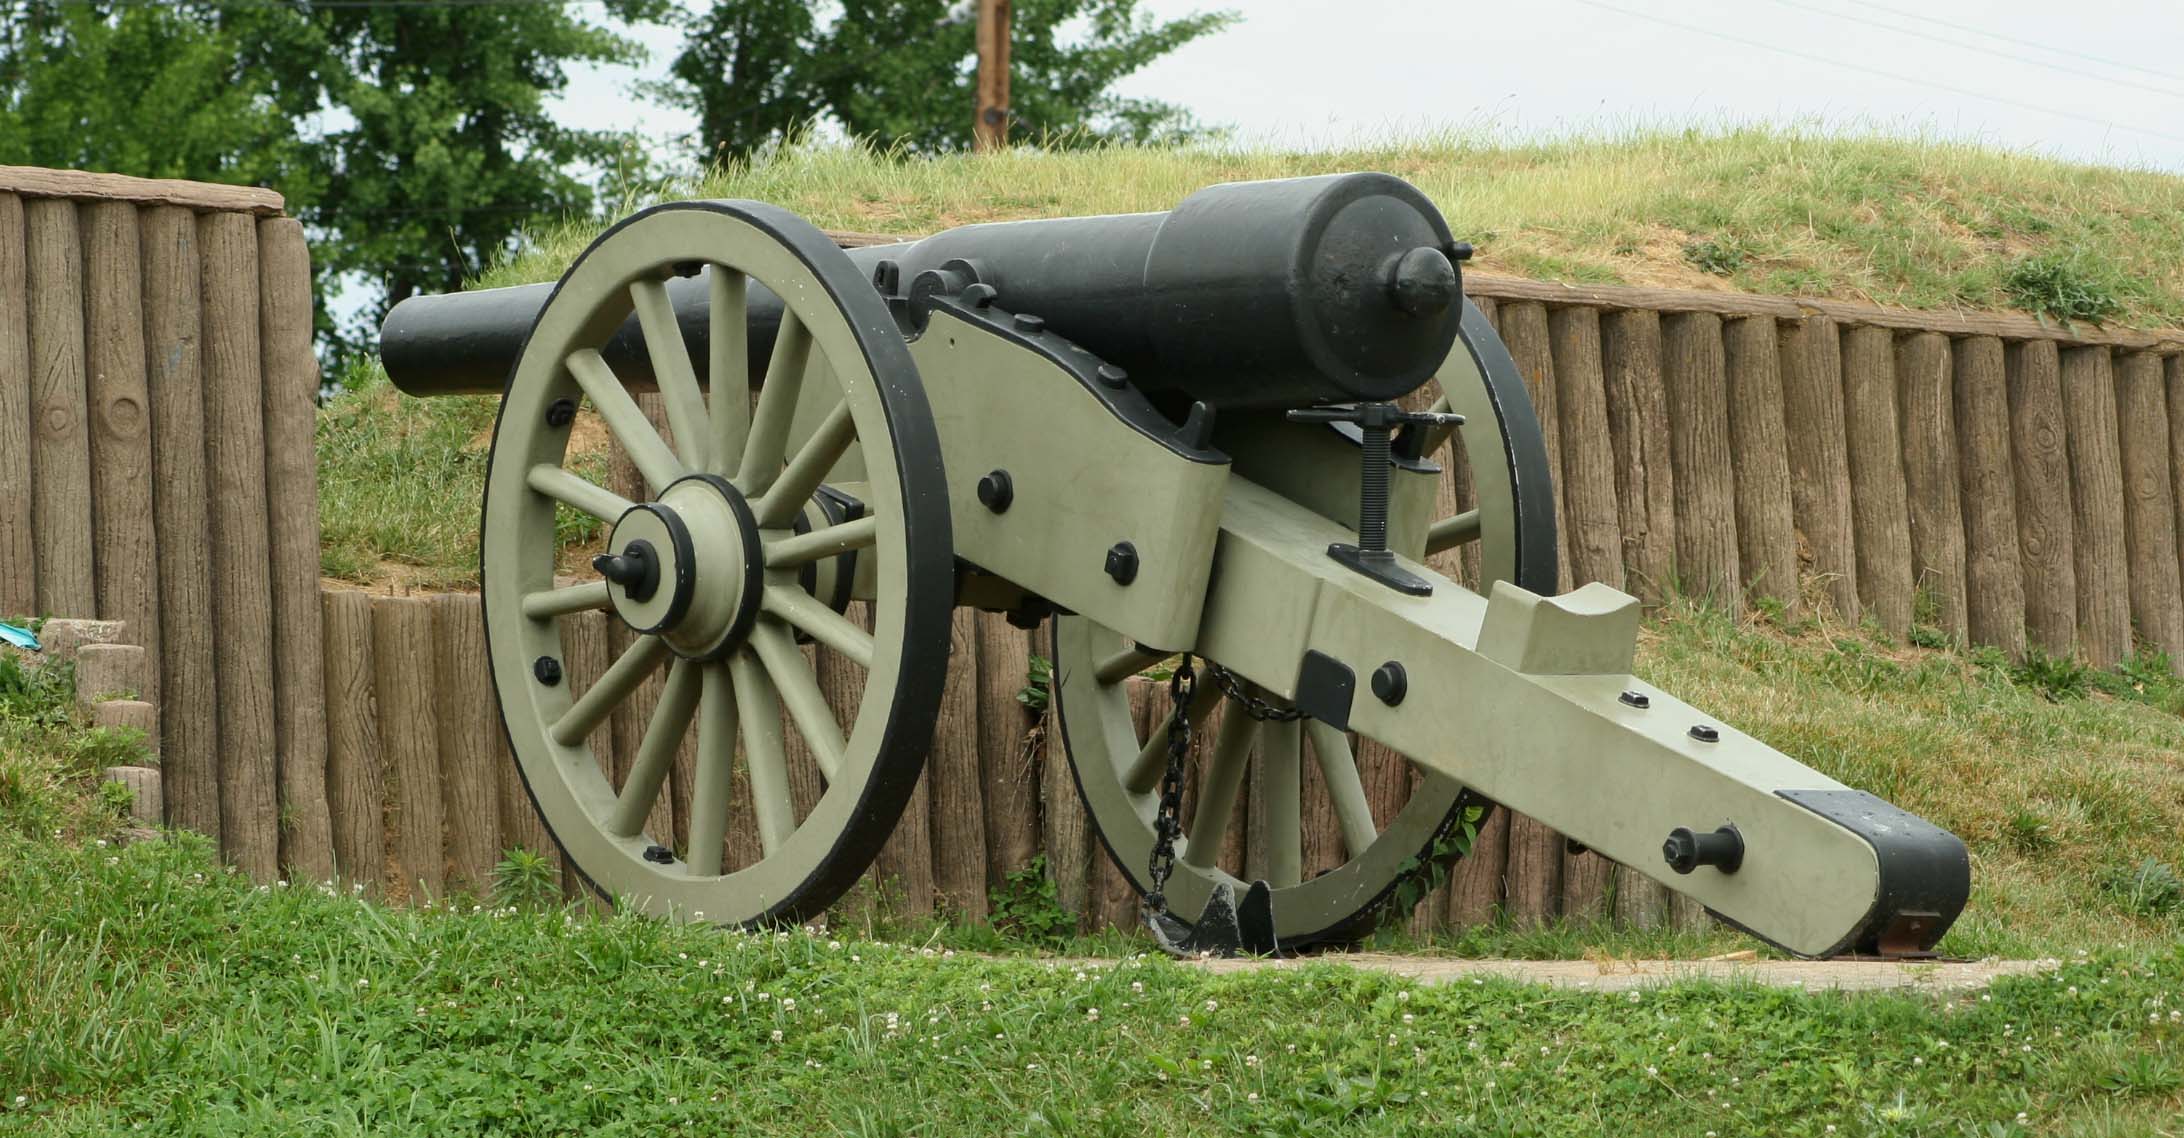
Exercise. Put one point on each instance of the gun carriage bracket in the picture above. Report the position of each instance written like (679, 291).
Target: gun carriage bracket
(1173, 433)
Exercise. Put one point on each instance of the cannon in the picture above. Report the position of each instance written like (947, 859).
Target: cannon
(1178, 440)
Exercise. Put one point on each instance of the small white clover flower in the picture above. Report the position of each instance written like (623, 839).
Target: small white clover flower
(777, 1035)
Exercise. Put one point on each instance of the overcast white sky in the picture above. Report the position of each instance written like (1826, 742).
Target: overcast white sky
(2091, 80)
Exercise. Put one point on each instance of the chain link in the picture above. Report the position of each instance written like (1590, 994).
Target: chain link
(1168, 819)
(1263, 710)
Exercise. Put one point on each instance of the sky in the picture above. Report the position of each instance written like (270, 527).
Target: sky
(2093, 81)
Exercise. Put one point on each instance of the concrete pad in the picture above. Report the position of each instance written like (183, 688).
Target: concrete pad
(1624, 975)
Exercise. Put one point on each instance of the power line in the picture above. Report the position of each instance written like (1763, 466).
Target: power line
(1898, 77)
(1978, 31)
(1961, 45)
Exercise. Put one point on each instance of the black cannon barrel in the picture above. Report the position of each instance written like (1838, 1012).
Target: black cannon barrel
(1275, 293)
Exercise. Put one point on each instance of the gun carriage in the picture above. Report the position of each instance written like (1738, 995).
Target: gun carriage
(1164, 434)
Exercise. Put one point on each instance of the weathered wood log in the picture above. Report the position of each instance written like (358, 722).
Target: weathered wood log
(109, 671)
(144, 794)
(1588, 452)
(906, 861)
(956, 782)
(1524, 332)
(464, 713)
(1534, 885)
(1994, 587)
(356, 785)
(242, 589)
(2040, 471)
(1880, 515)
(520, 824)
(1924, 374)
(1476, 888)
(584, 656)
(1065, 834)
(18, 551)
(130, 715)
(1644, 471)
(291, 476)
(2096, 497)
(404, 658)
(189, 711)
(1812, 414)
(1640, 901)
(2173, 381)
(1759, 455)
(1007, 764)
(2149, 505)
(1695, 375)
(37, 181)
(125, 542)
(60, 434)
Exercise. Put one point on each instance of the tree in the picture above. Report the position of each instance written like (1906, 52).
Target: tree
(902, 72)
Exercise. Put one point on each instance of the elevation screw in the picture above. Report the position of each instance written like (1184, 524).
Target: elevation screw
(1375, 422)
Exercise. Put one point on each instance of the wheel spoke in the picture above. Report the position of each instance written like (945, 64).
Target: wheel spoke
(547, 604)
(624, 419)
(1281, 768)
(1339, 767)
(729, 367)
(709, 790)
(672, 370)
(794, 605)
(613, 686)
(799, 687)
(573, 491)
(1223, 782)
(1152, 759)
(769, 438)
(1124, 664)
(820, 544)
(808, 469)
(1453, 531)
(762, 752)
(656, 752)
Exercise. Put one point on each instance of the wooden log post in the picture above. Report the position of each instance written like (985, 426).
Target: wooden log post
(1524, 331)
(465, 715)
(291, 477)
(404, 666)
(906, 861)
(1645, 492)
(1065, 834)
(1819, 460)
(60, 435)
(356, 785)
(1588, 452)
(124, 540)
(1994, 585)
(2040, 474)
(18, 494)
(1695, 375)
(1880, 514)
(956, 781)
(1924, 377)
(1476, 888)
(2173, 380)
(1007, 757)
(242, 590)
(2149, 505)
(1759, 456)
(583, 657)
(2096, 498)
(189, 712)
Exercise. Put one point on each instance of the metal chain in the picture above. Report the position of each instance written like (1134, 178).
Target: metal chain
(1168, 819)
(1263, 710)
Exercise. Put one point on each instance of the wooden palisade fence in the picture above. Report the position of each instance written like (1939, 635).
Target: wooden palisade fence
(2007, 481)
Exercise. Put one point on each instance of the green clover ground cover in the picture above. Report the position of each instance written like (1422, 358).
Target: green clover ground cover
(142, 988)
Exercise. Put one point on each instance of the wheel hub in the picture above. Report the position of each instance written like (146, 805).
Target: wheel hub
(687, 567)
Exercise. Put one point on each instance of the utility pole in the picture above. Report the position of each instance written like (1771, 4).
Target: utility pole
(991, 128)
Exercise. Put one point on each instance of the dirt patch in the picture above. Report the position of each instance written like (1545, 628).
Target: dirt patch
(1623, 975)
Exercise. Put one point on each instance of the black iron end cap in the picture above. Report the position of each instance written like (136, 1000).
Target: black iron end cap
(1390, 683)
(996, 491)
(1122, 562)
(1686, 850)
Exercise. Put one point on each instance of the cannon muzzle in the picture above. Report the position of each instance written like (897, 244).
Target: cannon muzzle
(1292, 292)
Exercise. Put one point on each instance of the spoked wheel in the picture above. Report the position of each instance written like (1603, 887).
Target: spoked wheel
(758, 519)
(1331, 898)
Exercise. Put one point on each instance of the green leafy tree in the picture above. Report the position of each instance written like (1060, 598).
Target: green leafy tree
(902, 72)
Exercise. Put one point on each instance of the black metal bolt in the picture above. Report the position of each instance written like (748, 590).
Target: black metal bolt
(659, 855)
(560, 413)
(546, 670)
(1112, 376)
(1390, 683)
(1705, 733)
(1122, 562)
(1686, 850)
(1029, 324)
(1637, 699)
(996, 491)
